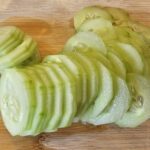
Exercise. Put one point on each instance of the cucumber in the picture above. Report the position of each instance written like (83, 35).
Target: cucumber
(71, 88)
(118, 66)
(104, 96)
(84, 81)
(92, 79)
(11, 44)
(74, 69)
(118, 106)
(40, 91)
(85, 41)
(6, 34)
(16, 107)
(98, 56)
(139, 110)
(101, 27)
(18, 55)
(130, 56)
(119, 15)
(70, 105)
(88, 13)
(56, 118)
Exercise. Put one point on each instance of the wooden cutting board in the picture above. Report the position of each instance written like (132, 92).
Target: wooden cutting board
(50, 23)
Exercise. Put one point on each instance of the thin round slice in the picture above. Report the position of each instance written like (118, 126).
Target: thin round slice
(88, 13)
(101, 27)
(85, 41)
(139, 110)
(117, 107)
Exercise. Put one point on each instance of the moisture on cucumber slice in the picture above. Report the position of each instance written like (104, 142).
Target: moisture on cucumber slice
(130, 56)
(17, 107)
(139, 110)
(105, 94)
(88, 13)
(119, 15)
(117, 107)
(85, 41)
(101, 27)
(118, 66)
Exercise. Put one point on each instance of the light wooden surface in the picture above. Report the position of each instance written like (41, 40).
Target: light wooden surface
(50, 23)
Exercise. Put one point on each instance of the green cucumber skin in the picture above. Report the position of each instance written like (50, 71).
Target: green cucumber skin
(40, 73)
(12, 44)
(59, 99)
(40, 101)
(70, 105)
(47, 81)
(8, 32)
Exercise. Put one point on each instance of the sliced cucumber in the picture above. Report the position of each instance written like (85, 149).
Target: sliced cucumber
(16, 107)
(105, 94)
(101, 58)
(92, 79)
(11, 44)
(101, 27)
(70, 105)
(130, 56)
(139, 110)
(40, 91)
(6, 34)
(118, 65)
(119, 15)
(117, 107)
(84, 81)
(56, 118)
(18, 55)
(88, 13)
(85, 41)
(74, 70)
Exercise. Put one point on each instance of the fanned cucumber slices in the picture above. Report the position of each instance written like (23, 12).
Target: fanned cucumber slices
(101, 76)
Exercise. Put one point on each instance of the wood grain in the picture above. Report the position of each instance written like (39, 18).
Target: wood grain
(50, 23)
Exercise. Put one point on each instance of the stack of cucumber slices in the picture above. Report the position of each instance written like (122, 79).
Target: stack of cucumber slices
(101, 76)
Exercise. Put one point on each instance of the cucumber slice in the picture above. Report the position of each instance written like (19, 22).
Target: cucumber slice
(56, 118)
(130, 56)
(11, 44)
(18, 55)
(92, 79)
(118, 65)
(6, 34)
(88, 13)
(16, 107)
(74, 69)
(40, 91)
(85, 41)
(139, 110)
(119, 15)
(34, 59)
(105, 94)
(101, 27)
(84, 81)
(117, 107)
(42, 74)
(70, 105)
